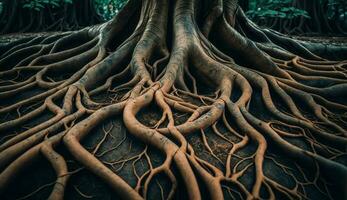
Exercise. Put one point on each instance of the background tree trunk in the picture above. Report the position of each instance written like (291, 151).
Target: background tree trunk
(48, 19)
(244, 4)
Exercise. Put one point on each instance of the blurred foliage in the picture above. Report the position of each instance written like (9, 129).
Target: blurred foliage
(38, 5)
(258, 9)
(106, 8)
(337, 9)
(266, 9)
(274, 9)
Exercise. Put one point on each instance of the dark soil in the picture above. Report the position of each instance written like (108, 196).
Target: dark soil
(84, 185)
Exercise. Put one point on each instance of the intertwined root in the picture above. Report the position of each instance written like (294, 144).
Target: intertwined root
(82, 79)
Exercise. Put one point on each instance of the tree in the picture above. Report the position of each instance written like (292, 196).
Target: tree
(318, 21)
(48, 15)
(262, 103)
(299, 17)
(244, 5)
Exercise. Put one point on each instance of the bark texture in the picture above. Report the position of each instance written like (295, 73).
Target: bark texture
(255, 97)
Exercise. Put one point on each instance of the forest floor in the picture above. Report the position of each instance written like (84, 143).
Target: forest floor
(335, 40)
(324, 39)
(10, 37)
(84, 185)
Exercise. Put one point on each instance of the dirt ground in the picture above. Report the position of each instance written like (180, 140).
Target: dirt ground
(319, 39)
(37, 180)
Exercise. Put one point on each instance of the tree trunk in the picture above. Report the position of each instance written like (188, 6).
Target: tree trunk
(244, 4)
(270, 110)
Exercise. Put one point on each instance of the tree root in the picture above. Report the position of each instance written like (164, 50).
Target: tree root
(239, 86)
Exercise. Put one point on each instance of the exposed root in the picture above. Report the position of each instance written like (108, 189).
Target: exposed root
(260, 101)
